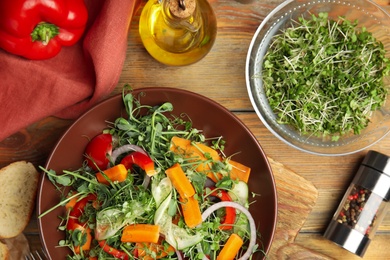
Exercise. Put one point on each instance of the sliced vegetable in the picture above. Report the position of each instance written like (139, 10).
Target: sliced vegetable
(241, 226)
(125, 149)
(180, 181)
(142, 160)
(196, 152)
(240, 193)
(179, 145)
(140, 233)
(118, 173)
(163, 219)
(77, 211)
(191, 211)
(245, 211)
(164, 198)
(71, 203)
(150, 251)
(176, 236)
(85, 234)
(239, 171)
(214, 176)
(180, 239)
(98, 150)
(205, 155)
(185, 146)
(230, 213)
(161, 190)
(113, 251)
(110, 220)
(231, 248)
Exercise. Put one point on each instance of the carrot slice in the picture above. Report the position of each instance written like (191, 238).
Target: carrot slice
(196, 152)
(70, 204)
(203, 153)
(239, 171)
(180, 181)
(191, 211)
(116, 173)
(179, 145)
(231, 248)
(214, 176)
(146, 250)
(87, 245)
(204, 150)
(140, 233)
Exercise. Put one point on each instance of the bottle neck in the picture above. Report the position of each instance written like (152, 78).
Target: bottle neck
(182, 14)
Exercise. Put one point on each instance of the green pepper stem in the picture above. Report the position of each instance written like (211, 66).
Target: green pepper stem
(44, 32)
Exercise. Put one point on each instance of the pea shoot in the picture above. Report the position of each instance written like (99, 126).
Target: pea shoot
(325, 77)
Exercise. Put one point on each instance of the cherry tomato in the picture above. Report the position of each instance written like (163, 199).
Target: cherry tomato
(142, 160)
(97, 150)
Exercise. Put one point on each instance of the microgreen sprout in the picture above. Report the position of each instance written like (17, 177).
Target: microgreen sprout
(325, 77)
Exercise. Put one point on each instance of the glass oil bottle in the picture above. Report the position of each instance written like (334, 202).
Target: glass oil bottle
(178, 32)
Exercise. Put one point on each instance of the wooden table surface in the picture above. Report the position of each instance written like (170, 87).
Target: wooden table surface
(220, 76)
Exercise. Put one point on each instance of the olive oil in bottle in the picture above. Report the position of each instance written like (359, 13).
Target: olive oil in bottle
(178, 32)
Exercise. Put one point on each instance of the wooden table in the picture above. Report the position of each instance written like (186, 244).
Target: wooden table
(220, 76)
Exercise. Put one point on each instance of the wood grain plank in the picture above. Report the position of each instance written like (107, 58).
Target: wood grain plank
(296, 198)
(34, 143)
(378, 249)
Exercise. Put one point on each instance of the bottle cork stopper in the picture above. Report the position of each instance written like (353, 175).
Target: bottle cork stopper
(182, 8)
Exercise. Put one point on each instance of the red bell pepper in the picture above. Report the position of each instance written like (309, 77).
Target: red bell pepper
(113, 251)
(37, 29)
(142, 160)
(77, 211)
(230, 213)
(97, 150)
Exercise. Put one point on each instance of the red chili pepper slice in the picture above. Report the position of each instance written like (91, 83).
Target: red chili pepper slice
(77, 211)
(230, 213)
(113, 251)
(142, 160)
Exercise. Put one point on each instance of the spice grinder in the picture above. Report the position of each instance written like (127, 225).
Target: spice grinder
(363, 206)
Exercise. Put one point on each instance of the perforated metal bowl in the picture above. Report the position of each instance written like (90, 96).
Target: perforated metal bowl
(369, 15)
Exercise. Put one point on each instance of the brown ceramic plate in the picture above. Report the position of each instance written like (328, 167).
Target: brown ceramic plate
(205, 114)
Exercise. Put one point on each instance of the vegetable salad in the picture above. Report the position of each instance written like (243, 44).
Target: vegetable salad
(154, 187)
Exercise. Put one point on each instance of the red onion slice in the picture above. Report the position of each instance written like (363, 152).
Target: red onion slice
(125, 149)
(252, 226)
(146, 181)
(178, 254)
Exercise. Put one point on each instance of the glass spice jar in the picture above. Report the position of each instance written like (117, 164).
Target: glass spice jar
(363, 206)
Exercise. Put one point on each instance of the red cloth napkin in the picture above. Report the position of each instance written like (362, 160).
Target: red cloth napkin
(73, 81)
